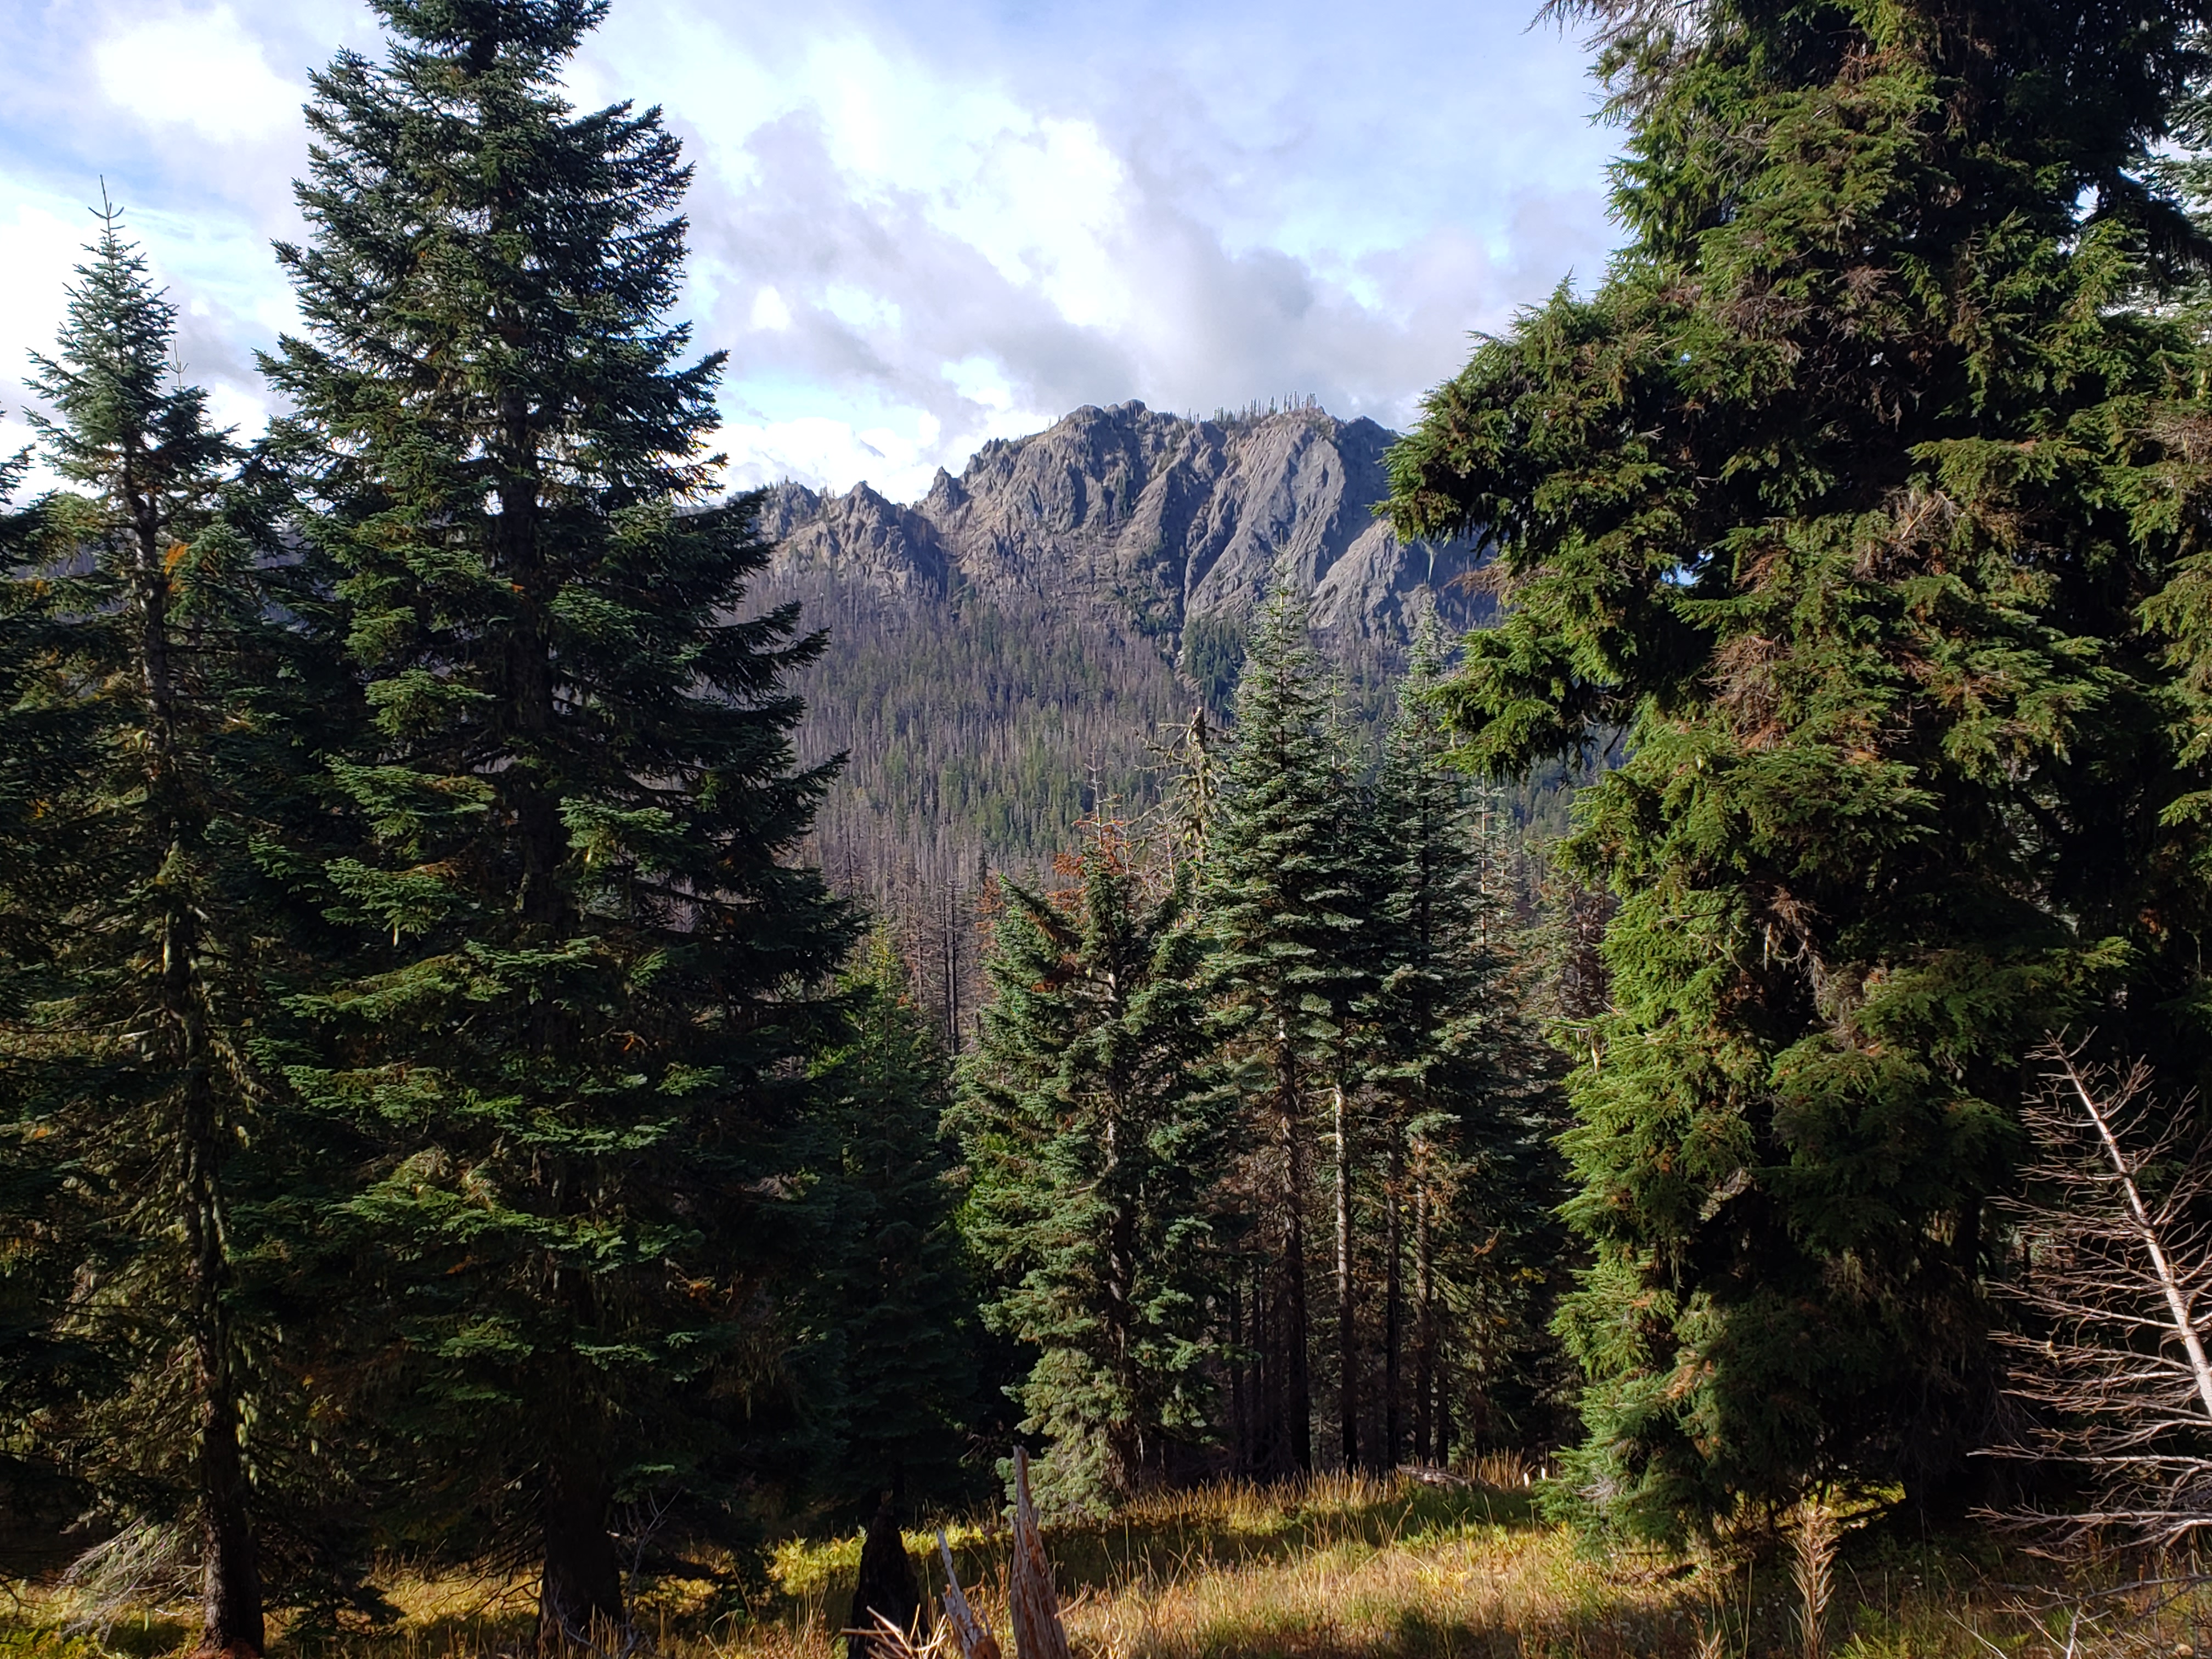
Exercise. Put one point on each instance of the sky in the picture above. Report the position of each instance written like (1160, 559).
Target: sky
(915, 224)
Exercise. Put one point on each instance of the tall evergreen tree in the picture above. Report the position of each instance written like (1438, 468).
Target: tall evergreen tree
(1091, 1136)
(895, 1306)
(571, 1022)
(146, 704)
(43, 736)
(1843, 494)
(1283, 903)
(1467, 1082)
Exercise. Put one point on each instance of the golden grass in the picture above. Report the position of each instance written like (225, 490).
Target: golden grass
(1338, 1568)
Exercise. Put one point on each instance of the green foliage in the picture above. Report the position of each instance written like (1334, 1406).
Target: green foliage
(1462, 1081)
(894, 1306)
(578, 978)
(1213, 658)
(157, 711)
(1849, 496)
(1091, 1140)
(1286, 906)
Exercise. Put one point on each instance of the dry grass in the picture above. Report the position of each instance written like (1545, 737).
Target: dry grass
(1340, 1568)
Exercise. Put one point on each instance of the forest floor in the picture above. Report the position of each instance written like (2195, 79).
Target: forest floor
(1340, 1568)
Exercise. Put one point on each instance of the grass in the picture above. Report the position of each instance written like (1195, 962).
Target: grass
(1339, 1568)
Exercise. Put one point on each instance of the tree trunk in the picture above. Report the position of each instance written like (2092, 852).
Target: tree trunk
(1443, 1410)
(1347, 1327)
(580, 1595)
(1293, 1332)
(1124, 1436)
(1239, 1430)
(1393, 1315)
(1425, 1330)
(230, 1598)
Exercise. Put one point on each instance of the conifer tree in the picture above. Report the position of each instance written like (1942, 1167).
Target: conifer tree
(571, 1021)
(895, 1306)
(1282, 901)
(1463, 1078)
(147, 740)
(1091, 1141)
(43, 737)
(1841, 495)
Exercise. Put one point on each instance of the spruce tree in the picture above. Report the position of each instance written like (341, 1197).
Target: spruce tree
(894, 1308)
(147, 750)
(1463, 1079)
(1091, 1138)
(43, 738)
(1843, 494)
(571, 1021)
(1283, 901)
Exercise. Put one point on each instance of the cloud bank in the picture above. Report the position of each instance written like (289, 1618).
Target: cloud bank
(913, 227)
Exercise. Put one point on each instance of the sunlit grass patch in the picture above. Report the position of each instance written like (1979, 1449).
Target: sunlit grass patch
(1339, 1567)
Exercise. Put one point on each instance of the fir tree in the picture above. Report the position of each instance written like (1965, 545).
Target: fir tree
(1841, 495)
(1091, 1141)
(43, 736)
(1282, 899)
(145, 714)
(896, 1309)
(571, 1020)
(1463, 1079)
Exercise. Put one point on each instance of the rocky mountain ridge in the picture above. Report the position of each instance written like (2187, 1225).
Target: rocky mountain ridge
(1148, 521)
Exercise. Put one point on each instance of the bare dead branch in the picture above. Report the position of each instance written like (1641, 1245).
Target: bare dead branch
(2117, 1292)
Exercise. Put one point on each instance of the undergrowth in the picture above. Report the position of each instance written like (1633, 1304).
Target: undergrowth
(1337, 1568)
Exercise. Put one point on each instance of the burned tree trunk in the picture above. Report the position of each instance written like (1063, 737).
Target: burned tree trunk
(885, 1589)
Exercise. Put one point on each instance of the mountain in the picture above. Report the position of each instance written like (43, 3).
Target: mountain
(1013, 646)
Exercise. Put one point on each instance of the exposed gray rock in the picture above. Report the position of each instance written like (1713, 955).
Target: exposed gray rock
(1144, 522)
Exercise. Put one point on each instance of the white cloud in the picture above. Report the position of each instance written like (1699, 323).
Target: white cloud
(43, 250)
(919, 225)
(770, 311)
(981, 381)
(830, 453)
(203, 71)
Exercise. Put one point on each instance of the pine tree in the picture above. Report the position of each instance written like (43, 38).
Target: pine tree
(1465, 1080)
(571, 1021)
(896, 1309)
(150, 750)
(1841, 495)
(1282, 900)
(1091, 1140)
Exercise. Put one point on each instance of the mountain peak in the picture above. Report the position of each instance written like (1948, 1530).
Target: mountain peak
(1146, 522)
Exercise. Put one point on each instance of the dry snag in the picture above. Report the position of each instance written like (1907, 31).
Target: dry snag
(1032, 1605)
(970, 1633)
(2118, 1293)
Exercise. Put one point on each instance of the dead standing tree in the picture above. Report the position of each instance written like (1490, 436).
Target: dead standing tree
(2119, 1285)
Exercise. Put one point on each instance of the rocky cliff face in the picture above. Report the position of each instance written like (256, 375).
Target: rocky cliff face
(1141, 521)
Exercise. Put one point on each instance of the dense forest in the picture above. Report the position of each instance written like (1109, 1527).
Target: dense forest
(1026, 644)
(473, 1091)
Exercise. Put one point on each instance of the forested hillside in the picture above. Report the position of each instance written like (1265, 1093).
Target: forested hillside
(1033, 637)
(1051, 614)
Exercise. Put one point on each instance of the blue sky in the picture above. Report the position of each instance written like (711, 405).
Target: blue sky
(916, 226)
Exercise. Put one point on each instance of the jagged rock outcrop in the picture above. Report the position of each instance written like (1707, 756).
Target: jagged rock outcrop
(1143, 521)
